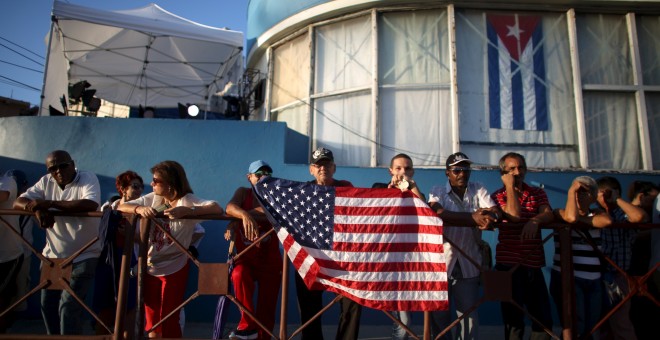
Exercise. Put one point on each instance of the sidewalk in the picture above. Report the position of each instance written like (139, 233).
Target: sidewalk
(195, 330)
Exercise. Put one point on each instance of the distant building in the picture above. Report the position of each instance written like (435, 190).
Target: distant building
(569, 84)
(12, 107)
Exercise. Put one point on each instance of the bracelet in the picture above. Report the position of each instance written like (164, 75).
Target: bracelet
(135, 210)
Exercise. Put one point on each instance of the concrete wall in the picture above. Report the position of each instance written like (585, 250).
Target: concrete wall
(215, 155)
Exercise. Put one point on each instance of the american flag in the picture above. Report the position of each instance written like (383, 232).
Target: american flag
(379, 247)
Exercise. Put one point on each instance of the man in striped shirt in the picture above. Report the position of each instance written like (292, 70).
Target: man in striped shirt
(520, 249)
(586, 261)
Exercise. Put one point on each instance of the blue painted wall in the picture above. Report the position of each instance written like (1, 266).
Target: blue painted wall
(215, 155)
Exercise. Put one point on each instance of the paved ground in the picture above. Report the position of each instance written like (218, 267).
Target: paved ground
(205, 330)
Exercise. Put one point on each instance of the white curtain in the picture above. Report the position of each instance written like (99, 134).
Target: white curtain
(344, 124)
(343, 55)
(290, 81)
(555, 147)
(295, 116)
(413, 60)
(610, 117)
(612, 135)
(648, 33)
(653, 115)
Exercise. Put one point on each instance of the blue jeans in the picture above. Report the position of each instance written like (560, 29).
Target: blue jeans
(529, 291)
(463, 294)
(398, 333)
(61, 312)
(588, 301)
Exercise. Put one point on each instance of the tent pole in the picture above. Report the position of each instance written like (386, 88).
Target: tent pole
(43, 86)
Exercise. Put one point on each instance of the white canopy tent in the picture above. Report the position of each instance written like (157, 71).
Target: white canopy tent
(145, 56)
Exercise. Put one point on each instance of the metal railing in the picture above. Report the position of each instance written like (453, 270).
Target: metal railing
(214, 280)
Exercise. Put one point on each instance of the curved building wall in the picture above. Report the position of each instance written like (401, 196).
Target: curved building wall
(568, 87)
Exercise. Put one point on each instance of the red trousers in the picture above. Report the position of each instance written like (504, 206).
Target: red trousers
(162, 294)
(261, 266)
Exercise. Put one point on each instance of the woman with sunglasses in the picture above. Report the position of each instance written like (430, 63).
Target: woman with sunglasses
(167, 267)
(129, 186)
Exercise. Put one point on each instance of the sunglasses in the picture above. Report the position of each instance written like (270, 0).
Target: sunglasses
(457, 171)
(260, 173)
(60, 166)
(157, 181)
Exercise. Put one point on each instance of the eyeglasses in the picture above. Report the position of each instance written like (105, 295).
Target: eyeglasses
(260, 173)
(457, 171)
(137, 186)
(60, 166)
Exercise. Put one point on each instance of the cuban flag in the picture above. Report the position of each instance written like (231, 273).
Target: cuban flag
(516, 72)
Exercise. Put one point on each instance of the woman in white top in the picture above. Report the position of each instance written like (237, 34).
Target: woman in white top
(167, 274)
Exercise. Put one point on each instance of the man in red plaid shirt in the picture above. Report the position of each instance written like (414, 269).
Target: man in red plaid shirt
(520, 248)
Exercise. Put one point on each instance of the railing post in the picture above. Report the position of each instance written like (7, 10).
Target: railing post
(569, 319)
(285, 296)
(124, 276)
(145, 228)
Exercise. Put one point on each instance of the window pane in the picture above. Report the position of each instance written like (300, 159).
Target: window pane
(427, 141)
(343, 55)
(290, 72)
(604, 49)
(344, 125)
(648, 33)
(612, 134)
(515, 89)
(653, 115)
(413, 47)
(295, 117)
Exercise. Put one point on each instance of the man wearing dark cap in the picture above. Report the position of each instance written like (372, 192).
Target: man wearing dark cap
(262, 264)
(465, 208)
(310, 302)
(67, 189)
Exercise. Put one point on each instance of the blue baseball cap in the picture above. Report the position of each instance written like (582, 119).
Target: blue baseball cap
(258, 164)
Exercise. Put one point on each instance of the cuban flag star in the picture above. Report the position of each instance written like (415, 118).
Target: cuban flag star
(516, 72)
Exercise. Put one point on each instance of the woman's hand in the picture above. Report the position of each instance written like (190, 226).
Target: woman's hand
(143, 211)
(177, 212)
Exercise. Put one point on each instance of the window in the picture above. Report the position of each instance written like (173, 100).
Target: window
(371, 90)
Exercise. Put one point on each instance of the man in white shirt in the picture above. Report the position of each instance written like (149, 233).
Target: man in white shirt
(66, 189)
(464, 203)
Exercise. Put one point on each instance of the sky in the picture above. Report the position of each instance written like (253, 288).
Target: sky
(25, 23)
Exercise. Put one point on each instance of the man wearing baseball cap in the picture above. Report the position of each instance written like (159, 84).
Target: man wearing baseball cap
(465, 208)
(323, 169)
(261, 264)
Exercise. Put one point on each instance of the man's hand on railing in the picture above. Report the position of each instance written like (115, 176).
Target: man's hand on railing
(45, 219)
(483, 218)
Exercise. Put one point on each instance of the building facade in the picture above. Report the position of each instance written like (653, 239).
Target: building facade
(569, 84)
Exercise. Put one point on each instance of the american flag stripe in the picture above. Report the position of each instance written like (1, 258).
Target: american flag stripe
(386, 228)
(379, 247)
(410, 267)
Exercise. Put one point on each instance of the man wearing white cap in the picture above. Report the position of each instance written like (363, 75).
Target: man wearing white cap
(262, 264)
(462, 205)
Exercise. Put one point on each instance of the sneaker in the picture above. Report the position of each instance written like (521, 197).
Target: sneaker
(243, 334)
